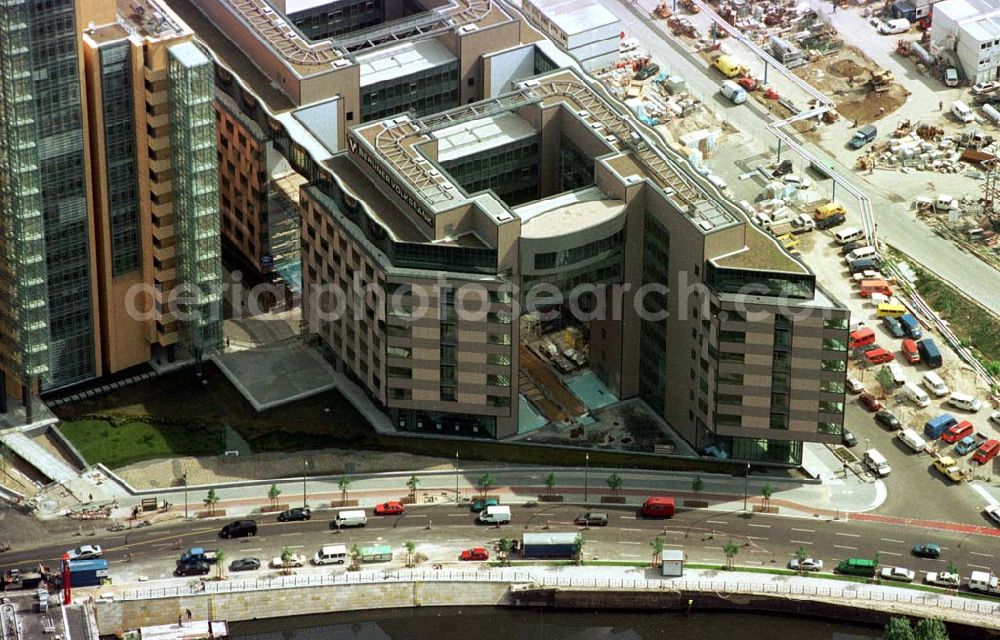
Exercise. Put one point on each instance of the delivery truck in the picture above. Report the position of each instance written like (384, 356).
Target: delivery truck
(88, 573)
(548, 545)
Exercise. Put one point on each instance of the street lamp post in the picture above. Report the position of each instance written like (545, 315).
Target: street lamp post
(586, 480)
(305, 466)
(185, 478)
(746, 486)
(456, 476)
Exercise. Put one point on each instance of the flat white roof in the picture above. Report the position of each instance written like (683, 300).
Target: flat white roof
(320, 119)
(479, 135)
(576, 16)
(965, 11)
(402, 60)
(567, 212)
(987, 28)
(294, 6)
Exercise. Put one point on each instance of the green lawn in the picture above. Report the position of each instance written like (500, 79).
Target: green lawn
(124, 442)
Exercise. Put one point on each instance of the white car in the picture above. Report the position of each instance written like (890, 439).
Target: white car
(995, 417)
(854, 385)
(86, 552)
(900, 574)
(985, 87)
(296, 560)
(806, 564)
(993, 511)
(943, 579)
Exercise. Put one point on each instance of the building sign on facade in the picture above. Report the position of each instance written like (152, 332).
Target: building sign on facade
(382, 172)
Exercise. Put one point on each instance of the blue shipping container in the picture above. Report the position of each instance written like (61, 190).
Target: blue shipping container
(934, 427)
(929, 353)
(87, 573)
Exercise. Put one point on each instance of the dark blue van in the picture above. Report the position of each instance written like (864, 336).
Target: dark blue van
(929, 353)
(911, 326)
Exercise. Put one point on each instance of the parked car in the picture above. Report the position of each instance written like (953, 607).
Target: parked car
(481, 503)
(848, 438)
(870, 402)
(947, 467)
(893, 327)
(899, 574)
(298, 513)
(592, 519)
(988, 86)
(943, 579)
(995, 417)
(239, 529)
(987, 451)
(927, 550)
(993, 512)
(878, 356)
(197, 568)
(806, 564)
(854, 385)
(391, 508)
(965, 445)
(958, 431)
(888, 420)
(86, 552)
(294, 560)
(244, 564)
(475, 554)
(648, 71)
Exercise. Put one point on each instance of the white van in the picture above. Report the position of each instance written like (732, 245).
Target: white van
(849, 234)
(495, 514)
(983, 581)
(965, 402)
(860, 253)
(354, 518)
(877, 463)
(962, 111)
(898, 377)
(890, 27)
(331, 554)
(916, 395)
(912, 439)
(935, 384)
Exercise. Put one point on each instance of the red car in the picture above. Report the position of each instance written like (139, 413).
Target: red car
(878, 356)
(393, 508)
(478, 553)
(870, 402)
(986, 451)
(957, 432)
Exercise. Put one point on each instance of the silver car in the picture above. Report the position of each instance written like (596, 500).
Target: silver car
(85, 552)
(899, 574)
(806, 564)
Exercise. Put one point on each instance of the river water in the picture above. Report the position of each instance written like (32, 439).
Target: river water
(447, 623)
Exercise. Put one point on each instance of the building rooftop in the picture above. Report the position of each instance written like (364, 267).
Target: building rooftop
(575, 215)
(295, 6)
(321, 120)
(962, 11)
(576, 16)
(480, 135)
(403, 59)
(189, 54)
(763, 252)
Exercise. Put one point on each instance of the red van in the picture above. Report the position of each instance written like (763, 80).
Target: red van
(860, 338)
(910, 351)
(987, 451)
(657, 507)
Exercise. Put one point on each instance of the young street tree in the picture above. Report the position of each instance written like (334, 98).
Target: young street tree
(578, 545)
(800, 555)
(505, 546)
(211, 500)
(412, 485)
(657, 545)
(272, 494)
(220, 563)
(343, 484)
(615, 483)
(355, 558)
(766, 492)
(550, 482)
(697, 484)
(485, 483)
(411, 548)
(731, 549)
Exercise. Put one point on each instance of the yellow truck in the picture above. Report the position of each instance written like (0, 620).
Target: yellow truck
(729, 66)
(947, 467)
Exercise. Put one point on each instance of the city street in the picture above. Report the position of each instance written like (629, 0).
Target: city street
(441, 532)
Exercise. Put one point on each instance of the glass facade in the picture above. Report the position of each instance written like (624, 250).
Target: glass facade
(119, 151)
(763, 450)
(653, 333)
(425, 92)
(510, 170)
(761, 283)
(338, 17)
(453, 424)
(576, 169)
(196, 196)
(24, 334)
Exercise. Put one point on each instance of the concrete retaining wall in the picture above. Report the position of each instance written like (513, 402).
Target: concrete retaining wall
(250, 605)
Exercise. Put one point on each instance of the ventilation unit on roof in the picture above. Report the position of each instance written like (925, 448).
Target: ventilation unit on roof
(266, 10)
(632, 179)
(400, 120)
(469, 28)
(447, 186)
(610, 138)
(583, 113)
(597, 125)
(434, 172)
(503, 217)
(340, 63)
(706, 225)
(530, 83)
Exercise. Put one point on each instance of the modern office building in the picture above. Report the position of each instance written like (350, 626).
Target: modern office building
(324, 67)
(91, 256)
(750, 356)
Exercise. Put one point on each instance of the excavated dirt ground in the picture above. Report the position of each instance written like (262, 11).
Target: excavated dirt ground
(845, 76)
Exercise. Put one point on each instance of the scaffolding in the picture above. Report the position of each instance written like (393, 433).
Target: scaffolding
(24, 328)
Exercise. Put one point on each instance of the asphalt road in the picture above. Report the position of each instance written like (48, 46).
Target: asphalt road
(768, 540)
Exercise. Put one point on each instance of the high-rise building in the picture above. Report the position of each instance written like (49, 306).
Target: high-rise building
(108, 141)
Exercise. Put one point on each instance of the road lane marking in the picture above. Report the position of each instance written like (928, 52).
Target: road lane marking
(629, 517)
(891, 540)
(755, 538)
(978, 566)
(717, 548)
(848, 535)
(162, 544)
(457, 515)
(627, 529)
(889, 553)
(667, 544)
(629, 542)
(799, 542)
(759, 551)
(754, 562)
(803, 531)
(249, 550)
(295, 546)
(759, 526)
(285, 535)
(631, 555)
(985, 555)
(840, 546)
(209, 541)
(716, 522)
